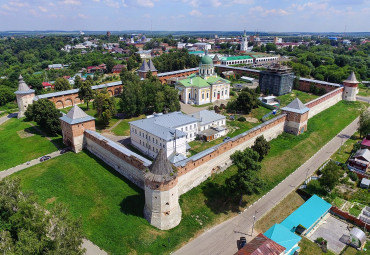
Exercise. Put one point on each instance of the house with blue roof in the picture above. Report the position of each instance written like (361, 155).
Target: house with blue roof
(301, 222)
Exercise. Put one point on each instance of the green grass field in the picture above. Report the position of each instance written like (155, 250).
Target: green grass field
(303, 96)
(15, 150)
(123, 128)
(363, 90)
(310, 248)
(345, 150)
(111, 207)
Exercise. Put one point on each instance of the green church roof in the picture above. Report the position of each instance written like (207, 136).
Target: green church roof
(236, 58)
(206, 60)
(196, 81)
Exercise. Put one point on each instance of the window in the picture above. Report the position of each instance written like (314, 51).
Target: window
(194, 125)
(202, 95)
(207, 95)
(214, 94)
(186, 128)
(140, 133)
(160, 144)
(156, 141)
(225, 91)
(191, 135)
(182, 129)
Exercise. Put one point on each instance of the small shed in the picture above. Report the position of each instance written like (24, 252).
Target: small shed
(365, 183)
(357, 237)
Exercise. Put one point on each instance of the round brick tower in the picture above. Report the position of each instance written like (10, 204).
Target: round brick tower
(162, 208)
(350, 88)
(24, 96)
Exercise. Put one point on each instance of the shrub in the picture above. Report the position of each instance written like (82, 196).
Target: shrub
(353, 176)
(232, 93)
(241, 119)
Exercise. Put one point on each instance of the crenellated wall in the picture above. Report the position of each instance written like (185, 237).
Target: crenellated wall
(124, 161)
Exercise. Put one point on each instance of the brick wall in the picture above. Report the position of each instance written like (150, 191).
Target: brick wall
(163, 78)
(336, 211)
(306, 85)
(324, 102)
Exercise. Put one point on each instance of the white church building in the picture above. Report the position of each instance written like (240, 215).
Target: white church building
(204, 88)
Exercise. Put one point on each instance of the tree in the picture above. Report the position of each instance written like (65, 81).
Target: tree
(62, 84)
(86, 93)
(245, 102)
(44, 113)
(247, 180)
(6, 95)
(364, 123)
(110, 65)
(330, 175)
(105, 106)
(77, 81)
(261, 146)
(26, 227)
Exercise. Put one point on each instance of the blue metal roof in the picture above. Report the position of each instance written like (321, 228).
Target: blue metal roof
(281, 235)
(76, 121)
(307, 214)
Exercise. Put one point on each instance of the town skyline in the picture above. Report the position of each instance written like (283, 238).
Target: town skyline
(186, 15)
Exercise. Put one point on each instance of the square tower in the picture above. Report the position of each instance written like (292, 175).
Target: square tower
(24, 96)
(297, 116)
(276, 80)
(74, 123)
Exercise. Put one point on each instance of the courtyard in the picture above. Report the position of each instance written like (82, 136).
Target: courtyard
(331, 229)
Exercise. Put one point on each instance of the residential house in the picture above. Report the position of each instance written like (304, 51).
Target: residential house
(261, 245)
(361, 160)
(118, 68)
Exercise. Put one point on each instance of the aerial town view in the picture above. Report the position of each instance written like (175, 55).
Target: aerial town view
(185, 127)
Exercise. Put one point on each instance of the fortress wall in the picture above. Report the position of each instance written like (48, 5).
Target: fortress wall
(324, 102)
(124, 161)
(196, 169)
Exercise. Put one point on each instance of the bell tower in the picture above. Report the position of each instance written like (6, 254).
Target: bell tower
(162, 209)
(350, 88)
(244, 42)
(24, 96)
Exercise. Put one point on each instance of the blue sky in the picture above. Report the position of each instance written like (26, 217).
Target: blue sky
(252, 15)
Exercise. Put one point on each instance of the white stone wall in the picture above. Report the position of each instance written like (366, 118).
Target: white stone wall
(350, 93)
(198, 175)
(23, 100)
(132, 173)
(324, 105)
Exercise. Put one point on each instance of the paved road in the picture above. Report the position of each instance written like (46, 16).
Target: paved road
(363, 99)
(222, 239)
(7, 117)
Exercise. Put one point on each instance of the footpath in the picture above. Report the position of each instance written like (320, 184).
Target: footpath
(222, 239)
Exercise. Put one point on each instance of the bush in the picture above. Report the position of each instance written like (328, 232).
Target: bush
(232, 93)
(319, 240)
(353, 176)
(241, 119)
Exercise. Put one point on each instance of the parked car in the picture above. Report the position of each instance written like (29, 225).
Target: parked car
(44, 158)
(243, 241)
(226, 138)
(62, 151)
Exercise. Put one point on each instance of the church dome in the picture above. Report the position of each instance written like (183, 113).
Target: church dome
(206, 60)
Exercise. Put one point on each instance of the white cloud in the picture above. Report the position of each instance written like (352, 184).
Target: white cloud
(18, 4)
(242, 2)
(146, 3)
(216, 3)
(82, 16)
(111, 3)
(71, 2)
(43, 9)
(8, 8)
(195, 13)
(264, 12)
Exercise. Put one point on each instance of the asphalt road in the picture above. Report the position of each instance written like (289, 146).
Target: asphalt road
(222, 239)
(7, 117)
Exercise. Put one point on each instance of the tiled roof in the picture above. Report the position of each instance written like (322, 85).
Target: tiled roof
(261, 245)
(144, 67)
(76, 115)
(296, 106)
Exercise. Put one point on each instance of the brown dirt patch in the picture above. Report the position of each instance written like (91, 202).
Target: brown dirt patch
(24, 134)
(50, 200)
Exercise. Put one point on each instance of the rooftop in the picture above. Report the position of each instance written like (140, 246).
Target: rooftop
(351, 79)
(76, 115)
(296, 106)
(235, 58)
(363, 153)
(23, 87)
(281, 235)
(197, 81)
(261, 245)
(161, 170)
(206, 116)
(307, 214)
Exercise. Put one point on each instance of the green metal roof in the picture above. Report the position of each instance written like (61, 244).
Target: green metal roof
(196, 52)
(194, 82)
(213, 80)
(236, 58)
(206, 60)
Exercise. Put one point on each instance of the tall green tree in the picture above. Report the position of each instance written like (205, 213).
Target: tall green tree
(26, 227)
(330, 175)
(86, 93)
(44, 113)
(110, 65)
(77, 81)
(364, 123)
(6, 95)
(62, 84)
(105, 106)
(261, 146)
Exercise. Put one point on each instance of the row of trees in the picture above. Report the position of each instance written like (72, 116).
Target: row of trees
(175, 60)
(27, 228)
(248, 180)
(146, 96)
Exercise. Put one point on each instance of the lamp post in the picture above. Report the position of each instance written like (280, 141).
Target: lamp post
(254, 220)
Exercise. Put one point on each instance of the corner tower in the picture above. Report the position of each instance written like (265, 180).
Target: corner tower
(297, 116)
(162, 209)
(350, 88)
(24, 96)
(74, 123)
(244, 42)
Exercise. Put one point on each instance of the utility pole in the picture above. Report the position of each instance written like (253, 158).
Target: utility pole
(254, 220)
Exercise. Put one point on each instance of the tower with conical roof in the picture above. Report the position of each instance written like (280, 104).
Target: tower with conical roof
(74, 123)
(297, 116)
(350, 88)
(244, 42)
(162, 208)
(24, 96)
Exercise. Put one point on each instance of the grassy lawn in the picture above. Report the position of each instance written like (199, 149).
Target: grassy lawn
(198, 146)
(259, 112)
(345, 150)
(279, 212)
(338, 202)
(123, 128)
(15, 150)
(303, 96)
(352, 251)
(111, 208)
(310, 248)
(363, 90)
(355, 210)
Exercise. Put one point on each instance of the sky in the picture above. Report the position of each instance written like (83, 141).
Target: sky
(187, 15)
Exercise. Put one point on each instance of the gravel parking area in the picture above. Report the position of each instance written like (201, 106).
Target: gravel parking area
(331, 230)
